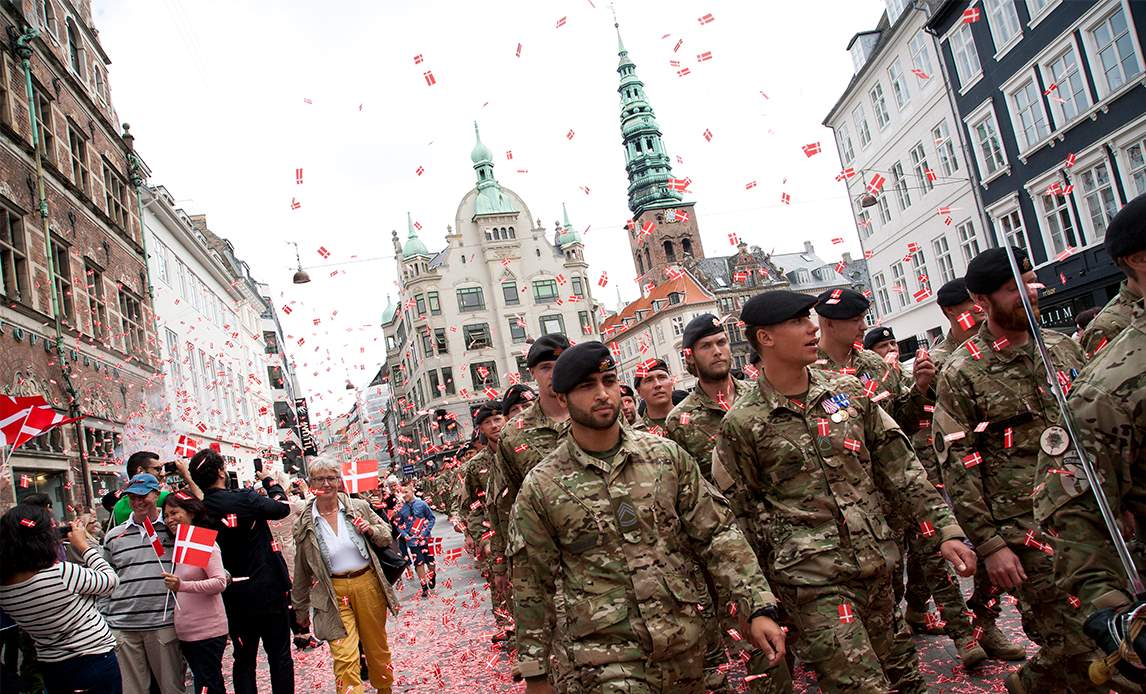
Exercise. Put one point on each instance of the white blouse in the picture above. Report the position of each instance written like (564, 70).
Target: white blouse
(344, 554)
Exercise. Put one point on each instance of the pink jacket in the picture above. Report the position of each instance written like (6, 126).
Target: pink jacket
(200, 614)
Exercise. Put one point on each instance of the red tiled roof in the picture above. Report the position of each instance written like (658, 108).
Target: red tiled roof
(686, 284)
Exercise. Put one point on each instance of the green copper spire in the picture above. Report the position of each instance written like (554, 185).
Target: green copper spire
(414, 245)
(567, 234)
(646, 160)
(490, 198)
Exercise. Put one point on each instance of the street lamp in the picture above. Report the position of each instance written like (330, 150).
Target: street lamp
(300, 275)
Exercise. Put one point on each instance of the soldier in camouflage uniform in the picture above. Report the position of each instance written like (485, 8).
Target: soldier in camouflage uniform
(619, 515)
(653, 382)
(1128, 304)
(629, 414)
(811, 464)
(993, 409)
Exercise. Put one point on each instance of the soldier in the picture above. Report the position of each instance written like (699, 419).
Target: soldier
(881, 340)
(654, 383)
(629, 408)
(1124, 243)
(619, 514)
(516, 399)
(811, 464)
(993, 409)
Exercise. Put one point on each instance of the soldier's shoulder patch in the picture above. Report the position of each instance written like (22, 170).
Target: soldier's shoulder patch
(1059, 480)
(945, 429)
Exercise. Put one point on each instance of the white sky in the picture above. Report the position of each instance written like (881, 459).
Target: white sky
(214, 91)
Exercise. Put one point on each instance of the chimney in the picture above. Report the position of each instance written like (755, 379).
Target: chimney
(847, 257)
(808, 248)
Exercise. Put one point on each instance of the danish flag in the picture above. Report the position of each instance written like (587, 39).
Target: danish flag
(823, 426)
(971, 15)
(604, 279)
(186, 446)
(920, 74)
(927, 529)
(707, 135)
(194, 545)
(360, 475)
(810, 150)
(970, 461)
(876, 184)
(846, 174)
(852, 445)
(152, 537)
(974, 350)
(847, 616)
(25, 418)
(966, 320)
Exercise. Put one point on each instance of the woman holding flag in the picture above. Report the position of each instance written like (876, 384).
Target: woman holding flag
(199, 578)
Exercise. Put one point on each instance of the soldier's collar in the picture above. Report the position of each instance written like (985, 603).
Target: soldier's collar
(1004, 352)
(818, 386)
(606, 466)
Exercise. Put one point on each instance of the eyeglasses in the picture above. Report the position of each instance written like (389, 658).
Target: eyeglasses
(324, 480)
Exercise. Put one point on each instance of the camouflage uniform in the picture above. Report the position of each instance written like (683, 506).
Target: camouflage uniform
(1108, 403)
(990, 476)
(815, 492)
(622, 532)
(469, 507)
(906, 405)
(656, 426)
(1118, 313)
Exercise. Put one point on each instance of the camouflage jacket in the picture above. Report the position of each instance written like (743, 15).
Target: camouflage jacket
(989, 417)
(497, 509)
(656, 426)
(922, 440)
(906, 405)
(815, 492)
(622, 534)
(470, 494)
(1108, 404)
(1111, 320)
(695, 422)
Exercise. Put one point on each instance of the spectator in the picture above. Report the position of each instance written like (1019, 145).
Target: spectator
(139, 611)
(54, 602)
(415, 523)
(257, 600)
(352, 595)
(1081, 321)
(145, 461)
(200, 618)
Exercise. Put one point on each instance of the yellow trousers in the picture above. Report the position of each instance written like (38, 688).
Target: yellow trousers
(362, 606)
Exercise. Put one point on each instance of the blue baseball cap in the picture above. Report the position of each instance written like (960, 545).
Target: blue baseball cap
(142, 484)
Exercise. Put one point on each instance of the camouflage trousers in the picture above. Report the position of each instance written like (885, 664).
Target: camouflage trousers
(930, 576)
(984, 600)
(684, 674)
(852, 636)
(500, 598)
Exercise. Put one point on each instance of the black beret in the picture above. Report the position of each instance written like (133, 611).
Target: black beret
(876, 336)
(578, 363)
(990, 269)
(775, 307)
(1127, 231)
(514, 395)
(648, 366)
(702, 326)
(546, 348)
(487, 410)
(953, 293)
(627, 391)
(841, 304)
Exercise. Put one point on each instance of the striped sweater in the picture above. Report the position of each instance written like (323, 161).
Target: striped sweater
(141, 602)
(56, 607)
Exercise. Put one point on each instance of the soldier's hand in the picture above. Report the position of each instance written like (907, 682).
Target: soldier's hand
(960, 556)
(768, 636)
(924, 370)
(1005, 569)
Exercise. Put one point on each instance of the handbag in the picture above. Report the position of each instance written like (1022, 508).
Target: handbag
(393, 562)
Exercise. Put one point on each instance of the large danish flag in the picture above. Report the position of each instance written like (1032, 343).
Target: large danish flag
(194, 545)
(24, 418)
(360, 476)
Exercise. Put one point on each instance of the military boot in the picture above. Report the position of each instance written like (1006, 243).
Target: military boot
(920, 624)
(971, 653)
(998, 646)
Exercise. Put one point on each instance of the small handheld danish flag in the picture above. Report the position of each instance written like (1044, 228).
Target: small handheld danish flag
(152, 537)
(194, 545)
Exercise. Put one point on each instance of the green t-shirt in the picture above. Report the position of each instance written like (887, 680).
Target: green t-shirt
(122, 508)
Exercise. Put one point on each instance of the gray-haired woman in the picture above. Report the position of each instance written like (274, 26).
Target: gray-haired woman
(352, 595)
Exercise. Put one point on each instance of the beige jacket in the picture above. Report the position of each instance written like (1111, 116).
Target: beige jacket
(312, 586)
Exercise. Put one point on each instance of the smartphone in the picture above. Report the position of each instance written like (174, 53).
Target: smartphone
(258, 464)
(170, 469)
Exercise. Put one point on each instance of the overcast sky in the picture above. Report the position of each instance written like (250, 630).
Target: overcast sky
(216, 90)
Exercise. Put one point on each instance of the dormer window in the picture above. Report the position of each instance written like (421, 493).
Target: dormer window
(676, 298)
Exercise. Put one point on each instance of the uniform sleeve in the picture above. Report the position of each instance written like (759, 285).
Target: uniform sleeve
(474, 511)
(907, 405)
(955, 418)
(733, 469)
(534, 582)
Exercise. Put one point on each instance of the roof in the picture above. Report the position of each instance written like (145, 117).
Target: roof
(939, 10)
(789, 263)
(718, 272)
(686, 284)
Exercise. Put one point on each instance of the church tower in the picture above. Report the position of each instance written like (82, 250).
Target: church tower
(664, 230)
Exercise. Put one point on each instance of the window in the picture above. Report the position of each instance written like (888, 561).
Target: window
(477, 336)
(943, 255)
(62, 267)
(919, 165)
(988, 149)
(448, 380)
(863, 223)
(578, 287)
(968, 240)
(99, 83)
(483, 374)
(1060, 226)
(881, 295)
(552, 323)
(884, 209)
(78, 148)
(898, 84)
(544, 291)
(48, 17)
(162, 262)
(677, 326)
(509, 291)
(1030, 119)
(75, 51)
(1070, 96)
(919, 267)
(420, 304)
(13, 257)
(131, 316)
(899, 181)
(1011, 225)
(523, 369)
(899, 284)
(470, 299)
(98, 307)
(1003, 19)
(517, 329)
(945, 148)
(1113, 44)
(966, 58)
(670, 252)
(920, 56)
(895, 8)
(845, 143)
(115, 193)
(860, 121)
(427, 343)
(587, 322)
(441, 342)
(1036, 8)
(1136, 158)
(1098, 199)
(174, 365)
(44, 124)
(879, 106)
(435, 304)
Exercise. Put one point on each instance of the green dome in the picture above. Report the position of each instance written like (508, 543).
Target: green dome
(414, 245)
(567, 234)
(480, 152)
(389, 311)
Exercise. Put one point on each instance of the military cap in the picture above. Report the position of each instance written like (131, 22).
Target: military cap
(953, 293)
(515, 395)
(876, 336)
(578, 363)
(487, 410)
(841, 304)
(990, 269)
(702, 326)
(627, 391)
(546, 348)
(1127, 231)
(647, 367)
(775, 307)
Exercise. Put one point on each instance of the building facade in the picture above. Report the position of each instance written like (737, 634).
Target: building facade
(895, 120)
(291, 413)
(1050, 95)
(76, 324)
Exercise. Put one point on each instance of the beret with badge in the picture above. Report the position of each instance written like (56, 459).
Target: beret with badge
(514, 395)
(991, 269)
(546, 348)
(841, 304)
(954, 293)
(775, 307)
(701, 327)
(647, 367)
(578, 363)
(876, 336)
(487, 410)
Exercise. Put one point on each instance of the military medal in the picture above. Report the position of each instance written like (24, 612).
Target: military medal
(1054, 440)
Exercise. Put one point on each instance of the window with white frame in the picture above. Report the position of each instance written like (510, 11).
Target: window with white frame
(968, 240)
(1003, 19)
(881, 295)
(899, 284)
(879, 106)
(919, 165)
(920, 54)
(943, 256)
(941, 136)
(919, 268)
(1098, 200)
(884, 209)
(1068, 94)
(988, 147)
(845, 143)
(1058, 222)
(860, 121)
(1136, 166)
(899, 181)
(863, 222)
(1036, 8)
(898, 84)
(895, 8)
(966, 57)
(1011, 224)
(1112, 44)
(1030, 120)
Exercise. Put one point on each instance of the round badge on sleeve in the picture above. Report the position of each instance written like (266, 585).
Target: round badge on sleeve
(1054, 440)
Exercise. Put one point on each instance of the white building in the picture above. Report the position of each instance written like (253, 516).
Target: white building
(895, 120)
(210, 340)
